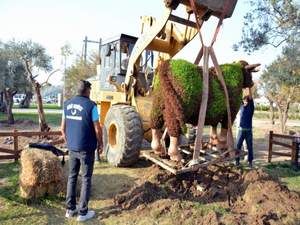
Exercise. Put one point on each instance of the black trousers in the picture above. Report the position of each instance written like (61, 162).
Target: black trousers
(86, 161)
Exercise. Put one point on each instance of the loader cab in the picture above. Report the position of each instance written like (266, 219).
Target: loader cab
(115, 54)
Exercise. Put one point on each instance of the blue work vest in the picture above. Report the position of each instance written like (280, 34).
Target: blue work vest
(80, 131)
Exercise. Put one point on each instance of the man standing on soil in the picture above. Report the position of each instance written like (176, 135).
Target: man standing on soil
(245, 127)
(81, 129)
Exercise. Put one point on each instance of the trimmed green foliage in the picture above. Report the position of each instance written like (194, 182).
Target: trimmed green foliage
(217, 105)
(188, 77)
(232, 74)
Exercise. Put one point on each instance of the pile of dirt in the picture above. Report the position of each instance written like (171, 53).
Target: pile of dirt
(143, 194)
(252, 197)
(205, 186)
(266, 200)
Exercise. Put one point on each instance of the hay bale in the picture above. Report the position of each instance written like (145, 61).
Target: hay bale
(41, 174)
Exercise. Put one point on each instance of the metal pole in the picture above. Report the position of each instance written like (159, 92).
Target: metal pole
(85, 48)
(100, 43)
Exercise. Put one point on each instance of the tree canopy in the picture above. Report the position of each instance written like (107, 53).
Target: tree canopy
(280, 82)
(269, 22)
(12, 71)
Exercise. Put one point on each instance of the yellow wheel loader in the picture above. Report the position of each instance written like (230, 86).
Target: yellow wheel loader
(122, 89)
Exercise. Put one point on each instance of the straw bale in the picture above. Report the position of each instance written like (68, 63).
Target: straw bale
(41, 174)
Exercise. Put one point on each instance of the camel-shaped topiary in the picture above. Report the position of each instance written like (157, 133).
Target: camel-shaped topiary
(177, 97)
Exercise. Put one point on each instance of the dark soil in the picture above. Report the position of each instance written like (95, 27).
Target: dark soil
(251, 197)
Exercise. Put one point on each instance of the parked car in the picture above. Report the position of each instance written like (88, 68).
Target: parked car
(18, 98)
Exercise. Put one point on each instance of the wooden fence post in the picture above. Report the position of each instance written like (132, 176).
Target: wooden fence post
(16, 144)
(295, 153)
(270, 146)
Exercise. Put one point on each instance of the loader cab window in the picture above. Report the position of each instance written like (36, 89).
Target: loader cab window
(111, 56)
(124, 55)
(110, 53)
(125, 51)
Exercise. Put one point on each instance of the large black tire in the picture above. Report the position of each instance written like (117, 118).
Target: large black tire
(122, 136)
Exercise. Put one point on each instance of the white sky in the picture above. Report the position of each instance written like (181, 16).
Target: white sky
(52, 23)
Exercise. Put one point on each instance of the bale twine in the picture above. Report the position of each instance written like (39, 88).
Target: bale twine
(41, 174)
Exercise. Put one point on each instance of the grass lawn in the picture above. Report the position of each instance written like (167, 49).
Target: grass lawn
(266, 115)
(286, 173)
(46, 106)
(53, 119)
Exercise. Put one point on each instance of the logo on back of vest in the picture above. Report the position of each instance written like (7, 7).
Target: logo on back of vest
(73, 108)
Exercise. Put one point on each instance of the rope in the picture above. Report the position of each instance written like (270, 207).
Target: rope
(203, 106)
(205, 52)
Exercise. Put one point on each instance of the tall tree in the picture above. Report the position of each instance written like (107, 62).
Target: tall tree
(7, 86)
(269, 22)
(281, 81)
(35, 59)
(12, 74)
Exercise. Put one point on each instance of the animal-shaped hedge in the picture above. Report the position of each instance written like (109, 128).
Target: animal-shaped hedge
(178, 90)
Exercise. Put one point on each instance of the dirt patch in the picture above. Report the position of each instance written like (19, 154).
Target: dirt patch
(266, 200)
(251, 197)
(143, 194)
(205, 186)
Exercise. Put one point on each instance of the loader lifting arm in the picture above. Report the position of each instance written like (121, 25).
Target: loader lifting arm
(163, 37)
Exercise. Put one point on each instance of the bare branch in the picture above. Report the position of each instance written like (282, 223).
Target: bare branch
(46, 82)
(278, 44)
(35, 76)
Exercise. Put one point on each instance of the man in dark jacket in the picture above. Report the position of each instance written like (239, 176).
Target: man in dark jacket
(245, 127)
(81, 129)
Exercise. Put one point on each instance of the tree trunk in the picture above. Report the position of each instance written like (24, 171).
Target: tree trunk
(272, 115)
(285, 116)
(37, 88)
(42, 119)
(281, 119)
(2, 103)
(9, 102)
(25, 103)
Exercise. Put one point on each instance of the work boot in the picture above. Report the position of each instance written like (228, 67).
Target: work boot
(90, 214)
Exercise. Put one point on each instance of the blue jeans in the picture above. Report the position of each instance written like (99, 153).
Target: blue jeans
(245, 135)
(86, 161)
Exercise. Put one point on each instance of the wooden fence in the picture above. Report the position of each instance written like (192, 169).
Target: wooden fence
(15, 152)
(293, 145)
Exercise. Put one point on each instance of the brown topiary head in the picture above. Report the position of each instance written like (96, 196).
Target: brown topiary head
(247, 73)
